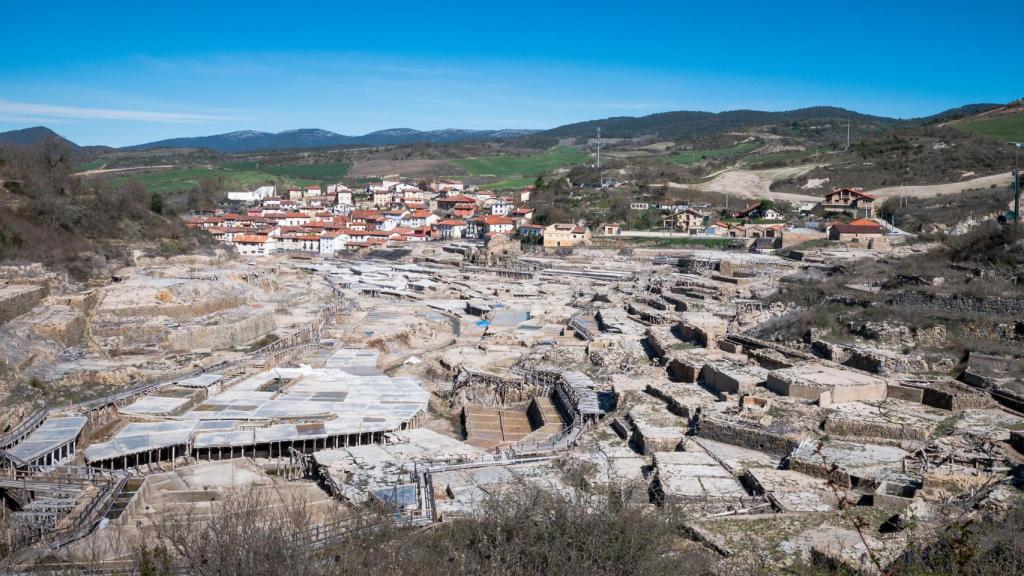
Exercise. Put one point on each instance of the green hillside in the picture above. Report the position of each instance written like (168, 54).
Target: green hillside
(187, 178)
(523, 166)
(1007, 127)
(333, 171)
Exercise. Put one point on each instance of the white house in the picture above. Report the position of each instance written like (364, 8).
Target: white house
(482, 225)
(418, 218)
(295, 219)
(254, 245)
(502, 207)
(331, 242)
(451, 229)
(449, 185)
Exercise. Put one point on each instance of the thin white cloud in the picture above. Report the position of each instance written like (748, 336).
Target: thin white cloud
(47, 111)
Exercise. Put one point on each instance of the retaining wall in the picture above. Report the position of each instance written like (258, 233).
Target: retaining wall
(224, 335)
(960, 303)
(18, 299)
(754, 438)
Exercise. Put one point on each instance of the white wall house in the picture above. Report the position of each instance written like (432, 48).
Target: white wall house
(254, 245)
(502, 207)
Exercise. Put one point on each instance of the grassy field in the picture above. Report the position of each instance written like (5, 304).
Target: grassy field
(187, 178)
(510, 184)
(1009, 128)
(245, 165)
(783, 156)
(237, 176)
(333, 172)
(695, 156)
(506, 167)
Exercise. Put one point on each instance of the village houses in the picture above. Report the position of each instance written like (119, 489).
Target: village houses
(566, 236)
(851, 201)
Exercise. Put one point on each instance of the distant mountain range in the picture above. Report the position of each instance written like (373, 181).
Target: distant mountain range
(251, 140)
(665, 125)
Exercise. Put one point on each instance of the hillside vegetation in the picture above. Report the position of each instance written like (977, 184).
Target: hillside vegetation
(911, 156)
(1001, 122)
(520, 532)
(231, 178)
(686, 124)
(50, 216)
(1009, 127)
(986, 262)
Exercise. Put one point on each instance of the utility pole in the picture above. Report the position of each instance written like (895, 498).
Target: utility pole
(847, 137)
(600, 175)
(1016, 196)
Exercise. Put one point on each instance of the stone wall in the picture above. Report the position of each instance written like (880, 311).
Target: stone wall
(18, 299)
(223, 335)
(696, 265)
(656, 346)
(684, 369)
(747, 437)
(960, 303)
(61, 324)
(784, 387)
(728, 378)
(955, 396)
(878, 361)
(906, 393)
(790, 239)
(842, 425)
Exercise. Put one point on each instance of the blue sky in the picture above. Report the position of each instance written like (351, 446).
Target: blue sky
(121, 73)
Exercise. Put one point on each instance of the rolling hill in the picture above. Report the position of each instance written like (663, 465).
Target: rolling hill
(251, 140)
(32, 136)
(689, 124)
(693, 124)
(1001, 122)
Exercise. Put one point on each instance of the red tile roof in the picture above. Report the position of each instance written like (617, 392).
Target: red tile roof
(855, 192)
(864, 222)
(243, 239)
(492, 220)
(460, 199)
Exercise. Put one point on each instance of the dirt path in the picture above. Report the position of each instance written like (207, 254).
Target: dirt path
(756, 183)
(936, 189)
(113, 170)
